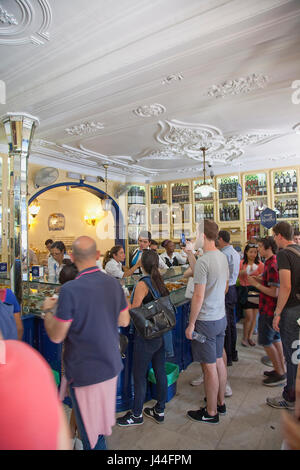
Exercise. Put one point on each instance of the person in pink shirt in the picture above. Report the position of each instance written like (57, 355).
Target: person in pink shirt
(250, 266)
(31, 416)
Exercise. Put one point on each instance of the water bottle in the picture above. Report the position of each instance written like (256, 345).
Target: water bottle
(198, 337)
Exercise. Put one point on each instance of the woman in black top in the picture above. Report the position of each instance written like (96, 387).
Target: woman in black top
(146, 351)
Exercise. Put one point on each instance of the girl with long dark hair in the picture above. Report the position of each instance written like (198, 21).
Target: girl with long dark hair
(250, 266)
(146, 351)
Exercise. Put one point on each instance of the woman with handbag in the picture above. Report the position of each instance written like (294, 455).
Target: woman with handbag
(250, 266)
(149, 287)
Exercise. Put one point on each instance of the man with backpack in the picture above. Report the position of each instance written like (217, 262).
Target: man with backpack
(287, 312)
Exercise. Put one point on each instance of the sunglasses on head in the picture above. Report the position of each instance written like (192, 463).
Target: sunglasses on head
(252, 245)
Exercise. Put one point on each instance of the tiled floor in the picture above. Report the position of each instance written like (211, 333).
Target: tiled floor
(249, 422)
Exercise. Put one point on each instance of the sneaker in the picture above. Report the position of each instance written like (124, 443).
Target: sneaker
(266, 361)
(198, 381)
(269, 373)
(202, 416)
(221, 409)
(152, 413)
(130, 420)
(228, 391)
(274, 379)
(280, 403)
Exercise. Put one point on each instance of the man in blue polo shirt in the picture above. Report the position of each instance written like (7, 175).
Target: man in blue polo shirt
(89, 311)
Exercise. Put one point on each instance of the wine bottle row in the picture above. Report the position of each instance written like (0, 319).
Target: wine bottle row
(228, 188)
(286, 209)
(180, 193)
(253, 209)
(285, 182)
(206, 212)
(229, 213)
(256, 185)
(159, 194)
(136, 195)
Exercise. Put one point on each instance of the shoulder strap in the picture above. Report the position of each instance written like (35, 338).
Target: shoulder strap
(153, 291)
(293, 250)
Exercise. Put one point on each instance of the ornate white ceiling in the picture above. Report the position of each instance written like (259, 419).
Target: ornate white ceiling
(144, 85)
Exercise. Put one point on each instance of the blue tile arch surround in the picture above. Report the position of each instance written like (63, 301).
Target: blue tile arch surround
(119, 219)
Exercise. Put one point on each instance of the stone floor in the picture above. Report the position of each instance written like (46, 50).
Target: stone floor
(250, 424)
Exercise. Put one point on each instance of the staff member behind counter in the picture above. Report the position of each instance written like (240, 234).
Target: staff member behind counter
(171, 257)
(112, 263)
(144, 242)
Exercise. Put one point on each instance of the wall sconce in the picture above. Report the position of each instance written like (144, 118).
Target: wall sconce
(34, 208)
(91, 219)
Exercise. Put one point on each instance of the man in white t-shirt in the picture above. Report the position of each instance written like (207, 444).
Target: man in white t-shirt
(208, 318)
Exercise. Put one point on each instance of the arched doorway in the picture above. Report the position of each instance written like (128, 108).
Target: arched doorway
(114, 216)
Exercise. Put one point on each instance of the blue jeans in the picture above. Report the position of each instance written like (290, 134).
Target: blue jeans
(168, 341)
(101, 444)
(289, 332)
(144, 352)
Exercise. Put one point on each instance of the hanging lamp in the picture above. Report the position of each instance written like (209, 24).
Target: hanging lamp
(204, 189)
(106, 200)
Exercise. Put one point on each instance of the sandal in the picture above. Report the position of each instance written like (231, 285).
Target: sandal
(245, 343)
(251, 342)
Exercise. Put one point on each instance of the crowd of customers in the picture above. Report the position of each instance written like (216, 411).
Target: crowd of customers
(91, 306)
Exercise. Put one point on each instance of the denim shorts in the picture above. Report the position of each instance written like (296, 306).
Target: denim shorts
(212, 349)
(266, 334)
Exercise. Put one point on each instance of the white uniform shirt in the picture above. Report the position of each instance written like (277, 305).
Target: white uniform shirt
(54, 268)
(180, 258)
(114, 268)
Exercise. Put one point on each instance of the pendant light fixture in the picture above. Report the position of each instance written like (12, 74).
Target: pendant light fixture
(204, 189)
(106, 200)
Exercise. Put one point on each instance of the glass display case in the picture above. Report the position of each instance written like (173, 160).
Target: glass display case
(34, 293)
(285, 189)
(204, 206)
(159, 194)
(256, 200)
(137, 213)
(229, 207)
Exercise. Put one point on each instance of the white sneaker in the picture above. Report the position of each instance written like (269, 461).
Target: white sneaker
(228, 391)
(198, 381)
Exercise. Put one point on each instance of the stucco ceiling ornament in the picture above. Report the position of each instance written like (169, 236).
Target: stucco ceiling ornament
(238, 86)
(150, 110)
(85, 128)
(174, 77)
(26, 23)
(6, 18)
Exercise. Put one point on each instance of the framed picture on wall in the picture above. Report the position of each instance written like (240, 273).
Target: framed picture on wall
(56, 222)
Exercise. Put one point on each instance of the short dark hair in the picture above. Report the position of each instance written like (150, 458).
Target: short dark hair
(153, 242)
(296, 232)
(269, 242)
(145, 234)
(59, 245)
(68, 272)
(47, 242)
(284, 229)
(211, 229)
(224, 235)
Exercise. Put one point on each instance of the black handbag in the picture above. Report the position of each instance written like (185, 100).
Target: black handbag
(155, 318)
(123, 343)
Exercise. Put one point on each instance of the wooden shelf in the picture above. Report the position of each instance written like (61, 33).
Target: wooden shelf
(229, 199)
(249, 198)
(285, 194)
(287, 218)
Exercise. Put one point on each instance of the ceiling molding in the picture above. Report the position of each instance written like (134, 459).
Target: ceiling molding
(26, 27)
